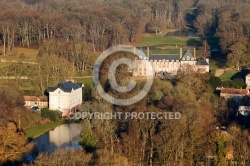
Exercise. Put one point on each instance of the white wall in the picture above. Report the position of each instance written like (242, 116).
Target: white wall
(248, 81)
(59, 100)
(64, 101)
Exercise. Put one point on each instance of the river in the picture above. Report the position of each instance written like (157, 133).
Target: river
(64, 136)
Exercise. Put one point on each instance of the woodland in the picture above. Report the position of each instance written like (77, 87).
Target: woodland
(69, 36)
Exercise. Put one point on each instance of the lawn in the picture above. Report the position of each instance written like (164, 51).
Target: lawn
(228, 74)
(39, 130)
(85, 80)
(168, 41)
(168, 44)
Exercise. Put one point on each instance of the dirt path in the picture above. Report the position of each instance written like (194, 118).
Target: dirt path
(219, 72)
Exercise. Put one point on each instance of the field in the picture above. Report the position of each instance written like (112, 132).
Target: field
(21, 54)
(168, 44)
(85, 80)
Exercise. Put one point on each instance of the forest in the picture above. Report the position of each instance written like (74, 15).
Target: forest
(69, 35)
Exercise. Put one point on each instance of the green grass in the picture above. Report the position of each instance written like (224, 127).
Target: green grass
(228, 74)
(86, 81)
(39, 130)
(168, 44)
(168, 41)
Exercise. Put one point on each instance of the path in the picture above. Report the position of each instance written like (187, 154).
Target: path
(28, 62)
(219, 72)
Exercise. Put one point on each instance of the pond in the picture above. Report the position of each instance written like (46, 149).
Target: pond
(182, 33)
(64, 136)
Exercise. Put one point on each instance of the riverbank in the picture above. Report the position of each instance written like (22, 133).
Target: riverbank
(34, 132)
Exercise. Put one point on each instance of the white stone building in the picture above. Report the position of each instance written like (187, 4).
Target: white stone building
(66, 97)
(169, 63)
(40, 101)
(228, 93)
(248, 81)
(244, 110)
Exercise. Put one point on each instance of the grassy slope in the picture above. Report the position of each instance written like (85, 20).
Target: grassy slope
(86, 81)
(168, 44)
(39, 130)
(24, 54)
(228, 74)
(153, 40)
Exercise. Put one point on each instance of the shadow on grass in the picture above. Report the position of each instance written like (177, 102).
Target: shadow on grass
(242, 74)
(219, 58)
(213, 42)
(194, 42)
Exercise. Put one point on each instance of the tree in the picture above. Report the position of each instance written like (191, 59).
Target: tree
(215, 81)
(72, 157)
(237, 57)
(13, 142)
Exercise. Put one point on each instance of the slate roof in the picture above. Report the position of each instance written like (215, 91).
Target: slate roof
(169, 57)
(234, 91)
(65, 86)
(188, 55)
(202, 62)
(51, 89)
(35, 98)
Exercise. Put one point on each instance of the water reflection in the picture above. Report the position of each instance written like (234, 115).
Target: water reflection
(64, 136)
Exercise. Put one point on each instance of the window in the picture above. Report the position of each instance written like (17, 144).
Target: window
(59, 92)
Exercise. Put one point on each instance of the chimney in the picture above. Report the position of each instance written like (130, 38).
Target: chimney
(148, 52)
(194, 52)
(134, 50)
(180, 53)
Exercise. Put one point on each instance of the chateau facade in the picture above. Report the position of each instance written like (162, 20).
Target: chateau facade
(170, 64)
(248, 81)
(65, 97)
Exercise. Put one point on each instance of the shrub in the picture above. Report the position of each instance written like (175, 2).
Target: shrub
(53, 116)
(87, 92)
(215, 81)
(89, 141)
(239, 83)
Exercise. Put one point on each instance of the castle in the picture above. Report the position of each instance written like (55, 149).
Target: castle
(169, 63)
